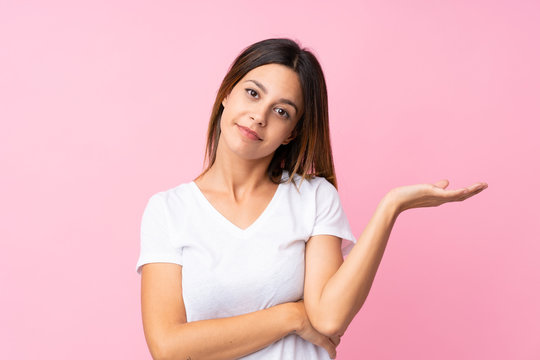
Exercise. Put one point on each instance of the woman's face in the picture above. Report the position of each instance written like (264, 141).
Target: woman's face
(268, 101)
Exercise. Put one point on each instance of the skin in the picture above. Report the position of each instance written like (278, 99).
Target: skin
(335, 290)
(237, 179)
(238, 187)
(428, 195)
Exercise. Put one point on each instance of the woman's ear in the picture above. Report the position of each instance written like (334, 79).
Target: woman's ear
(224, 102)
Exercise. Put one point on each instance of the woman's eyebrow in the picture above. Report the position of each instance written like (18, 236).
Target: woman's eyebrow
(286, 101)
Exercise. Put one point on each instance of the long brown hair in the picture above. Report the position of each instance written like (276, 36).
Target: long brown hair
(310, 153)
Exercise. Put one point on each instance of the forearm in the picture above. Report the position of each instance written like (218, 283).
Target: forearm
(345, 292)
(231, 337)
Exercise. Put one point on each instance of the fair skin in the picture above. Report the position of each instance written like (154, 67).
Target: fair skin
(237, 184)
(335, 290)
(237, 179)
(238, 187)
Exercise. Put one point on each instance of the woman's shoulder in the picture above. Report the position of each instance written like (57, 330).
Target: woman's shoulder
(307, 184)
(175, 195)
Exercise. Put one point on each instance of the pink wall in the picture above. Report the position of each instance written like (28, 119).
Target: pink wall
(104, 103)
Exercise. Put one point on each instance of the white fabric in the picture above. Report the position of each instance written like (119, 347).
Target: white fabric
(227, 271)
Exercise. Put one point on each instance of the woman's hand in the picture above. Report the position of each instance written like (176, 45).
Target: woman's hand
(307, 332)
(425, 195)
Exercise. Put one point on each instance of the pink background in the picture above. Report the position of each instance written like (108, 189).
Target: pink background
(103, 103)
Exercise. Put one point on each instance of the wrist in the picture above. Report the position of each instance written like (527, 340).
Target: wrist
(294, 318)
(391, 204)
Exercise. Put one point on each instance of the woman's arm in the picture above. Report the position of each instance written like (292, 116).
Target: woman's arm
(228, 338)
(169, 336)
(336, 289)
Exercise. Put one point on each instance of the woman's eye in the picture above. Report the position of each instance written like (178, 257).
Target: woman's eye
(284, 113)
(251, 91)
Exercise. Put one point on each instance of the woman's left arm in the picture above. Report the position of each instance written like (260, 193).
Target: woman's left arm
(333, 297)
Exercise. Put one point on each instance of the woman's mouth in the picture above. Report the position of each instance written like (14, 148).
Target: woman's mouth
(250, 134)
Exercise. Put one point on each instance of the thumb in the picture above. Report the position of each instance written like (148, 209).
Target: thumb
(441, 184)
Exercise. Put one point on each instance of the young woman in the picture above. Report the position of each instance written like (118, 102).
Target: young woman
(246, 261)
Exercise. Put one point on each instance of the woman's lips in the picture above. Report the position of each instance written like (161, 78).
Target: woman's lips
(249, 133)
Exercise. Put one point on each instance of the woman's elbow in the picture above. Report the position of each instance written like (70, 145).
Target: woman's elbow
(327, 328)
(160, 350)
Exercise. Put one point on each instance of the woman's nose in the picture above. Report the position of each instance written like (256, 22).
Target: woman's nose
(259, 115)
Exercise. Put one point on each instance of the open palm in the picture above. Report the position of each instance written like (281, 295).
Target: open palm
(426, 195)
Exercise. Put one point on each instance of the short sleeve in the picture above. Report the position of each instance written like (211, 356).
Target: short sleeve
(330, 217)
(155, 243)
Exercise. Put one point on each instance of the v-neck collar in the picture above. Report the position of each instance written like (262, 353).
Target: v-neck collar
(227, 223)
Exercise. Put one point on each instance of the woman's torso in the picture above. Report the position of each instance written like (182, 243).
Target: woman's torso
(250, 263)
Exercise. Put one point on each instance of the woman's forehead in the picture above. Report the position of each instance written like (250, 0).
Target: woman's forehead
(271, 71)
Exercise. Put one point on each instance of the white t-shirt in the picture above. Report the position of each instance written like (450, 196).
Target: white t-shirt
(228, 271)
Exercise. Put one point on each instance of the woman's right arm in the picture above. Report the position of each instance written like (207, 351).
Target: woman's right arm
(170, 336)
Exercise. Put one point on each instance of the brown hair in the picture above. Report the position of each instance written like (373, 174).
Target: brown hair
(309, 153)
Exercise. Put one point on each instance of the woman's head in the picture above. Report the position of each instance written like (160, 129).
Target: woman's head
(307, 150)
(267, 101)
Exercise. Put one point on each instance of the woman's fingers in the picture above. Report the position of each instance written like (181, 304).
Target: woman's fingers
(335, 339)
(469, 191)
(307, 332)
(330, 348)
(435, 194)
(442, 184)
(475, 188)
